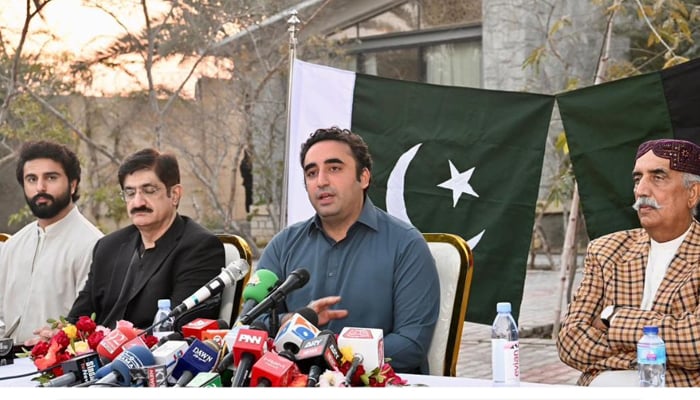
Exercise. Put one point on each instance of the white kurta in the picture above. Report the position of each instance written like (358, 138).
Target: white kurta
(42, 271)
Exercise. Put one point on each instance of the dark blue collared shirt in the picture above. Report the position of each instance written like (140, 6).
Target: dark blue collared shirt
(382, 269)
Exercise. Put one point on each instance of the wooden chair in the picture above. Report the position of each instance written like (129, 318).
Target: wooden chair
(4, 236)
(455, 265)
(236, 248)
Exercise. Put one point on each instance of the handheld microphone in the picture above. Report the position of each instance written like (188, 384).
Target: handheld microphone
(235, 271)
(77, 370)
(249, 346)
(197, 327)
(7, 356)
(112, 345)
(367, 342)
(274, 370)
(118, 371)
(150, 375)
(301, 326)
(258, 287)
(169, 352)
(230, 341)
(356, 361)
(199, 357)
(297, 279)
(318, 354)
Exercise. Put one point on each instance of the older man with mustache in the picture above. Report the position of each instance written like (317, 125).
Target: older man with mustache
(646, 276)
(162, 255)
(44, 264)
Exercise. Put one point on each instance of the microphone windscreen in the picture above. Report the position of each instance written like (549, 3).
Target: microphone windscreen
(309, 314)
(294, 332)
(222, 324)
(196, 328)
(260, 285)
(274, 370)
(169, 352)
(199, 357)
(112, 344)
(132, 358)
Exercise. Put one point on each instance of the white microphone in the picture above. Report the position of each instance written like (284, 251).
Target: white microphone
(233, 272)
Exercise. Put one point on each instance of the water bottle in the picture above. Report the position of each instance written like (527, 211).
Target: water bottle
(165, 327)
(651, 358)
(505, 347)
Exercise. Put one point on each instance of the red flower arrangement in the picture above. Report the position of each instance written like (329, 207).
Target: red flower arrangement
(378, 377)
(65, 340)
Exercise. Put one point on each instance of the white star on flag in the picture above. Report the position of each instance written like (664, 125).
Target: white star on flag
(458, 183)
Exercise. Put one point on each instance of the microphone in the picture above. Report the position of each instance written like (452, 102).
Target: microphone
(112, 345)
(234, 271)
(274, 370)
(151, 375)
(301, 326)
(7, 356)
(167, 338)
(258, 287)
(297, 279)
(367, 342)
(77, 370)
(249, 346)
(206, 379)
(318, 354)
(197, 327)
(169, 352)
(118, 371)
(356, 361)
(230, 340)
(199, 357)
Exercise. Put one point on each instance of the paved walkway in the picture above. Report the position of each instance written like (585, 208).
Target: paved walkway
(539, 361)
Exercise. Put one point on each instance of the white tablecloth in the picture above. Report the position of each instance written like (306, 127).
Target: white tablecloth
(24, 365)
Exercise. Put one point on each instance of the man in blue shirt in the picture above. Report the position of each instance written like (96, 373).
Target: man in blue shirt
(375, 268)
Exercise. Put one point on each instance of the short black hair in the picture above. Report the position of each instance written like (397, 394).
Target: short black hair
(54, 151)
(163, 164)
(360, 150)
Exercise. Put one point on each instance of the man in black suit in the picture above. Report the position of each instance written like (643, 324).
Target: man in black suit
(161, 255)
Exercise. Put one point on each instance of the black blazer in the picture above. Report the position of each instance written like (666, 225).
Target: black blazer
(185, 258)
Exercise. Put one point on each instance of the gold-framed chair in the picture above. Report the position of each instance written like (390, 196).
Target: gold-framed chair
(235, 248)
(455, 265)
(4, 236)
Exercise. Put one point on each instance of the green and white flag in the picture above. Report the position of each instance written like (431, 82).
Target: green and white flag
(606, 123)
(446, 159)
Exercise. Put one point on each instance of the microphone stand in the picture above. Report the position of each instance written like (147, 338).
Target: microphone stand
(274, 321)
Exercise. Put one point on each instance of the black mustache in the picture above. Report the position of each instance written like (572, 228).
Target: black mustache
(42, 196)
(140, 209)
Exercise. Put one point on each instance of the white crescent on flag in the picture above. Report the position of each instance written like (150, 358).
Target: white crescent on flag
(395, 201)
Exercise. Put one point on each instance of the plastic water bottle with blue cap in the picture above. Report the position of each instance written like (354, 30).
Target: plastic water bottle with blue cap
(505, 347)
(651, 358)
(163, 324)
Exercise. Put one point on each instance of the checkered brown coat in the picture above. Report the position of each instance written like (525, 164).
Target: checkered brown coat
(614, 274)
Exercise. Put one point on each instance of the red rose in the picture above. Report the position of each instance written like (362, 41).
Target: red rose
(63, 356)
(85, 324)
(40, 349)
(61, 339)
(356, 379)
(95, 338)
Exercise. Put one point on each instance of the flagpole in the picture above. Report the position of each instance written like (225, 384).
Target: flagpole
(568, 256)
(293, 22)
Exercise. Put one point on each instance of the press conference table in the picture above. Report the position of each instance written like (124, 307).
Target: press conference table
(24, 365)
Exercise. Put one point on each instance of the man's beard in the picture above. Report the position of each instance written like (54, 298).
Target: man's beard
(48, 210)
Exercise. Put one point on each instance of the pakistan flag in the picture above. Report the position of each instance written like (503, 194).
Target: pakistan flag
(446, 159)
